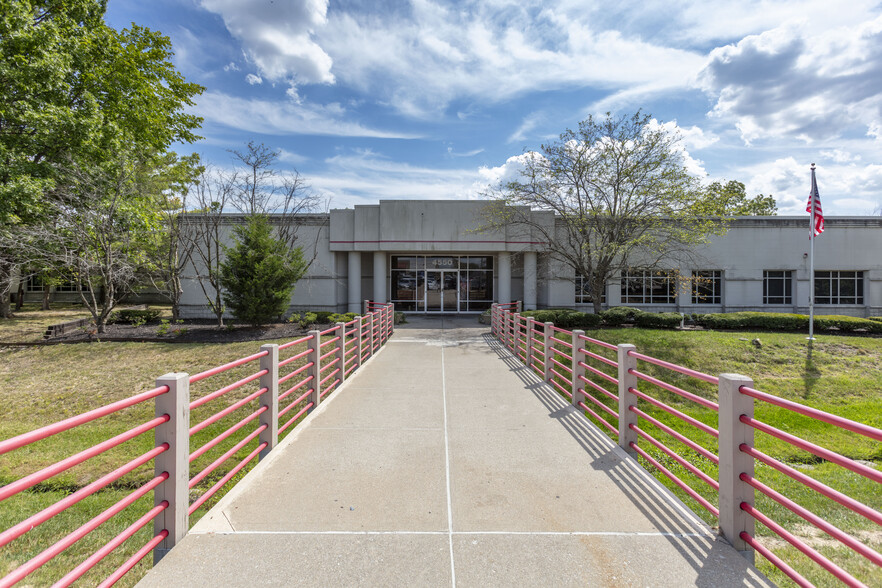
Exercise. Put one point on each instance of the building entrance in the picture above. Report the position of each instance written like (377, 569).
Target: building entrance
(426, 283)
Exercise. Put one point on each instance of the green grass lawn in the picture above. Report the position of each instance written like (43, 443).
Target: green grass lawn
(841, 375)
(41, 385)
(29, 323)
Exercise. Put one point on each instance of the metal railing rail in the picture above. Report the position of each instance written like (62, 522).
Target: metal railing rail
(574, 365)
(330, 357)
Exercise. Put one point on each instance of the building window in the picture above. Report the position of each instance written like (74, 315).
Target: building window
(648, 287)
(71, 286)
(777, 287)
(707, 287)
(34, 283)
(583, 291)
(835, 287)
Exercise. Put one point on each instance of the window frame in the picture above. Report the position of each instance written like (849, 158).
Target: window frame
(716, 287)
(647, 280)
(834, 280)
(786, 279)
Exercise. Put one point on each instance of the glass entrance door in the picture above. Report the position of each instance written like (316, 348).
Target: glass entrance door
(442, 291)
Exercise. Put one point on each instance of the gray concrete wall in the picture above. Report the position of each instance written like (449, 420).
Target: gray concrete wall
(396, 227)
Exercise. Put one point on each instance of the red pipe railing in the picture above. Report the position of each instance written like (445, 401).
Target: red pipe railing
(545, 349)
(348, 346)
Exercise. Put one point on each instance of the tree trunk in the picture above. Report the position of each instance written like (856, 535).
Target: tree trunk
(5, 288)
(45, 305)
(19, 297)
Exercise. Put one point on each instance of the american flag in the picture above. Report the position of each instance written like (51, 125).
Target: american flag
(815, 201)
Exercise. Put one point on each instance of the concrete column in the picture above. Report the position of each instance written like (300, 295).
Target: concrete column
(578, 356)
(176, 461)
(354, 282)
(503, 277)
(380, 276)
(270, 398)
(733, 462)
(315, 351)
(627, 398)
(530, 279)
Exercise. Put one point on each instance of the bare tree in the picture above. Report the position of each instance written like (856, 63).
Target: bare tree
(261, 189)
(174, 249)
(98, 229)
(620, 195)
(201, 230)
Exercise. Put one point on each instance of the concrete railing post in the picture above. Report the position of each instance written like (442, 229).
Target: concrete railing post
(627, 398)
(528, 352)
(578, 371)
(391, 319)
(516, 334)
(176, 461)
(372, 332)
(733, 462)
(367, 306)
(520, 307)
(493, 319)
(270, 398)
(358, 335)
(546, 348)
(341, 350)
(315, 351)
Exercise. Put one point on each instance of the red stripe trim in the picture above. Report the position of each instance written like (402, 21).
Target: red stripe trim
(438, 241)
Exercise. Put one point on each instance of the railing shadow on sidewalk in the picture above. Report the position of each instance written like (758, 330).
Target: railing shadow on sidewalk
(648, 495)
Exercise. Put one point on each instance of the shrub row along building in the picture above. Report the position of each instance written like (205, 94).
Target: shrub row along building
(433, 257)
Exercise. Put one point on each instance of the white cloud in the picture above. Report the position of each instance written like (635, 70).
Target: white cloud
(283, 118)
(365, 177)
(785, 83)
(422, 58)
(278, 36)
(471, 153)
(253, 79)
(845, 188)
(509, 171)
(530, 122)
(231, 66)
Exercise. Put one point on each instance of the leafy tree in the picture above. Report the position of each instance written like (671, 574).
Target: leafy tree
(173, 183)
(73, 90)
(620, 195)
(730, 199)
(259, 273)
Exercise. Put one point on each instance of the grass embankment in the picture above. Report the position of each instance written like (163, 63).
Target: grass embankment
(42, 385)
(841, 375)
(29, 323)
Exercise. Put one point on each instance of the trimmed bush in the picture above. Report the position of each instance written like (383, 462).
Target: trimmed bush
(876, 318)
(847, 324)
(322, 316)
(134, 317)
(658, 320)
(773, 321)
(565, 318)
(341, 318)
(620, 315)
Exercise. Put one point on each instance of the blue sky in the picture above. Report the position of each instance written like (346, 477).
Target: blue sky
(385, 99)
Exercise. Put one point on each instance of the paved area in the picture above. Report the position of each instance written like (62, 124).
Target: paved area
(444, 462)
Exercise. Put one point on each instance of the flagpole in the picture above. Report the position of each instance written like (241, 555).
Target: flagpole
(811, 336)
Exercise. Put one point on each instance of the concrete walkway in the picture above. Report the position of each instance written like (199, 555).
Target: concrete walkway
(445, 462)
